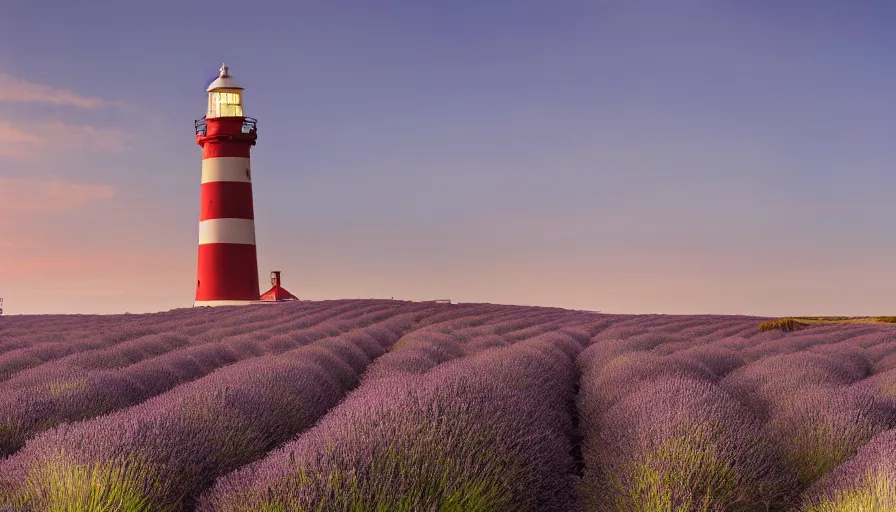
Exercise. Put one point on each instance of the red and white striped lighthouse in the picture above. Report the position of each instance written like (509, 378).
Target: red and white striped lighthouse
(227, 270)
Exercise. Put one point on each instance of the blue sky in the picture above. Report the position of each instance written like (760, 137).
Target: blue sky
(706, 157)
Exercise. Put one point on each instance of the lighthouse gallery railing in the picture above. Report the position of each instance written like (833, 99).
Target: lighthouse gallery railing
(249, 125)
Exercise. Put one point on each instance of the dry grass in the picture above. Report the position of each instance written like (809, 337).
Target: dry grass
(791, 323)
(788, 324)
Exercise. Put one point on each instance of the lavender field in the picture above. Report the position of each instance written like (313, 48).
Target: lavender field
(381, 405)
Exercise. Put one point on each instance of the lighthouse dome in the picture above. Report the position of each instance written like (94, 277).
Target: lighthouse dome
(224, 81)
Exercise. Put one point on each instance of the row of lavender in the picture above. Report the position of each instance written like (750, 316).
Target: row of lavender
(99, 381)
(161, 453)
(744, 422)
(162, 450)
(153, 456)
(480, 339)
(432, 429)
(87, 344)
(437, 425)
(473, 410)
(28, 341)
(454, 430)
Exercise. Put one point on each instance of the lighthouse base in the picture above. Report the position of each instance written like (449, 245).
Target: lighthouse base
(222, 303)
(215, 303)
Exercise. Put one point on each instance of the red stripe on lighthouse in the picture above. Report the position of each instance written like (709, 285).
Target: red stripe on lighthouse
(226, 200)
(227, 272)
(212, 149)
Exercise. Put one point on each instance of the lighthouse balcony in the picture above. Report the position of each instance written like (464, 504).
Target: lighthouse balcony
(248, 125)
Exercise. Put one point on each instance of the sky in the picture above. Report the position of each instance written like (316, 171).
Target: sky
(622, 156)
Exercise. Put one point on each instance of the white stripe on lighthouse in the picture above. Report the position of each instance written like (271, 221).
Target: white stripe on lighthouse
(227, 231)
(225, 168)
(199, 303)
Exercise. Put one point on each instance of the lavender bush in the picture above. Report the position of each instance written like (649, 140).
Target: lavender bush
(762, 384)
(866, 483)
(72, 394)
(678, 443)
(818, 429)
(618, 377)
(35, 355)
(486, 432)
(715, 361)
(887, 360)
(159, 455)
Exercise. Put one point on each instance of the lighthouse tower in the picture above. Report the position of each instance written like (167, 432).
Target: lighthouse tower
(227, 270)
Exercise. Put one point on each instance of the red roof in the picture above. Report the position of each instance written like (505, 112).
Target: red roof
(278, 293)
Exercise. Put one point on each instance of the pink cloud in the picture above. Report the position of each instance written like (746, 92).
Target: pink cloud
(16, 142)
(11, 133)
(86, 138)
(105, 269)
(31, 140)
(14, 153)
(13, 267)
(23, 196)
(14, 89)
(27, 243)
(38, 139)
(50, 279)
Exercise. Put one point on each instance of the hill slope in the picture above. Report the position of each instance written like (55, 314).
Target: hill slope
(392, 405)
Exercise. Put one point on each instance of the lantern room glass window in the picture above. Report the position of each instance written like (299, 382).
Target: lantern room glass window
(225, 104)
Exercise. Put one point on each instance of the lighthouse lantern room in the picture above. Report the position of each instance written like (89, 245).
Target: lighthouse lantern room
(225, 97)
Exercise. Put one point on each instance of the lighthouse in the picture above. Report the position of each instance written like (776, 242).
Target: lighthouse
(227, 269)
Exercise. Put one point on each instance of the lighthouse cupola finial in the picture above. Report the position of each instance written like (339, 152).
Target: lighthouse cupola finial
(224, 81)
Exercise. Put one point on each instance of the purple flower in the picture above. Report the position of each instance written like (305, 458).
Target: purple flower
(865, 482)
(678, 443)
(164, 452)
(482, 432)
